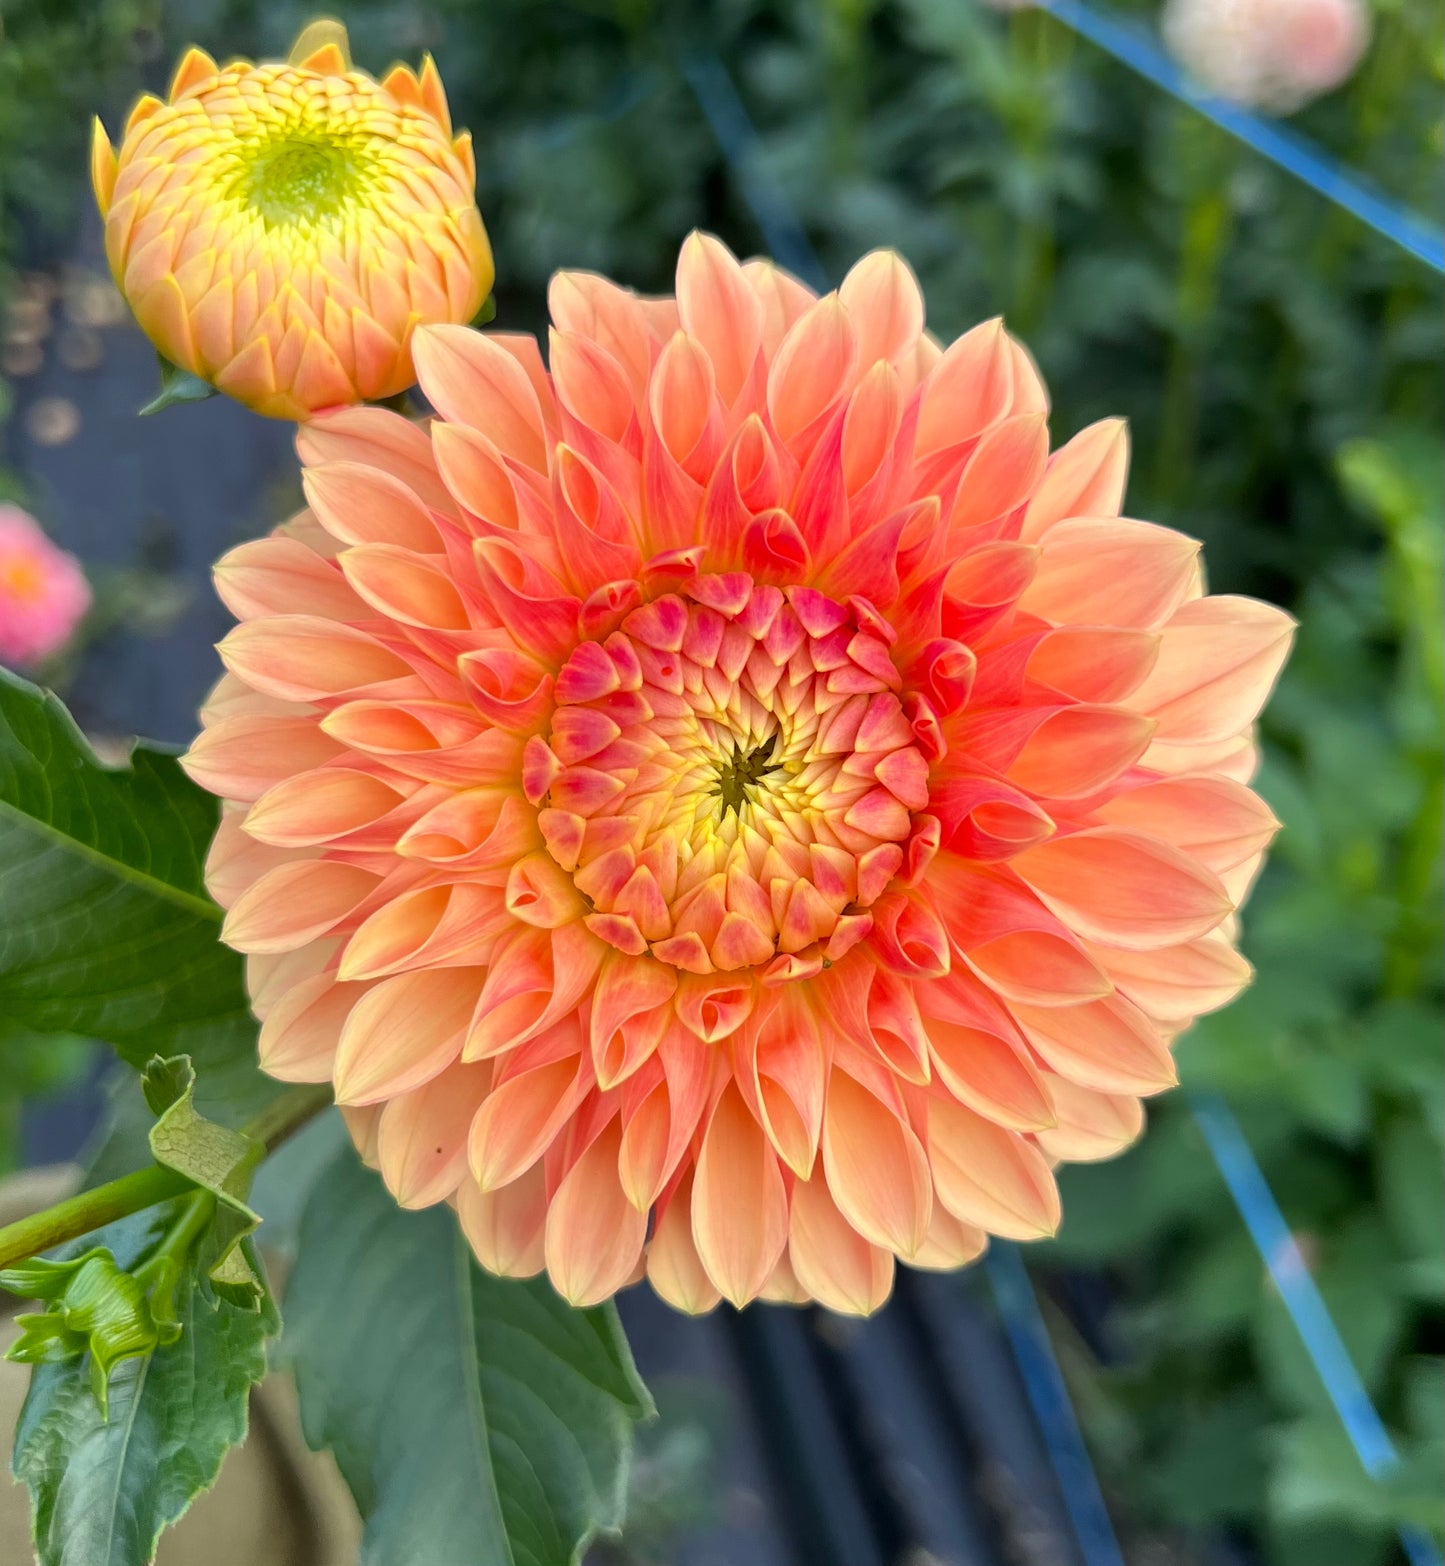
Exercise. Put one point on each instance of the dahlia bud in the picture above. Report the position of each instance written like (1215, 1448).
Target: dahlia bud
(1276, 55)
(95, 1306)
(280, 230)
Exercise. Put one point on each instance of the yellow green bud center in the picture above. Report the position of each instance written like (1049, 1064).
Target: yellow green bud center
(301, 176)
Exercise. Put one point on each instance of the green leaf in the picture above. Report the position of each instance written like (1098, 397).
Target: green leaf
(1331, 1541)
(1219, 1283)
(1412, 1191)
(1113, 1209)
(218, 1160)
(479, 1421)
(38, 1063)
(177, 386)
(1357, 1277)
(106, 929)
(284, 1182)
(1317, 1474)
(1425, 1396)
(1209, 1470)
(103, 1488)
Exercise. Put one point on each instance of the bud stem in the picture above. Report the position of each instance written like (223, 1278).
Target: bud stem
(90, 1210)
(193, 1216)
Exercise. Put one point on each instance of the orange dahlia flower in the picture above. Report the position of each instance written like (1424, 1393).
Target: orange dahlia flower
(281, 230)
(730, 804)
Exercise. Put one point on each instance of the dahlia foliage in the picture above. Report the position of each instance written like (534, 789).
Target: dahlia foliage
(281, 229)
(727, 802)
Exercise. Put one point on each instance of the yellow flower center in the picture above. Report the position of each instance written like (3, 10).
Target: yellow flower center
(739, 777)
(299, 174)
(22, 578)
(730, 778)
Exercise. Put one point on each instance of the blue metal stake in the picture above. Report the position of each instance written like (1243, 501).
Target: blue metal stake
(1131, 45)
(1303, 1300)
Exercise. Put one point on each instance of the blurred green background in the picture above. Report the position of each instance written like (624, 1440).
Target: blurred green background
(1280, 366)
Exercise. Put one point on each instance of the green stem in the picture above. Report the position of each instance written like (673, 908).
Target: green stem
(1206, 236)
(132, 1193)
(284, 1116)
(1408, 945)
(195, 1215)
(1030, 33)
(159, 1274)
(89, 1210)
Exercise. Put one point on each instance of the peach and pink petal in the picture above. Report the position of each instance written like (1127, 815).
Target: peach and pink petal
(522, 1116)
(989, 1177)
(506, 1228)
(781, 1067)
(1124, 888)
(318, 806)
(403, 1032)
(1108, 1045)
(594, 1235)
(967, 391)
(376, 438)
(832, 1261)
(990, 1072)
(301, 1030)
(241, 757)
(474, 382)
(717, 309)
(281, 575)
(673, 1266)
(295, 903)
(1085, 477)
(876, 1168)
(739, 1204)
(360, 504)
(1116, 572)
(885, 306)
(950, 1243)
(421, 1143)
(1218, 660)
(1091, 1125)
(1178, 983)
(1214, 820)
(301, 658)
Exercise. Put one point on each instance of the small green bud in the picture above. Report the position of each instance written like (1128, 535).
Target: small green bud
(96, 1306)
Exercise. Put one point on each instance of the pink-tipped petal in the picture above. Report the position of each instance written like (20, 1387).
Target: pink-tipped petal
(594, 1234)
(833, 1262)
(989, 1177)
(739, 1206)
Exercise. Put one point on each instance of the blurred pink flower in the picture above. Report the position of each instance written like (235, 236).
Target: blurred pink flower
(1276, 55)
(43, 591)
